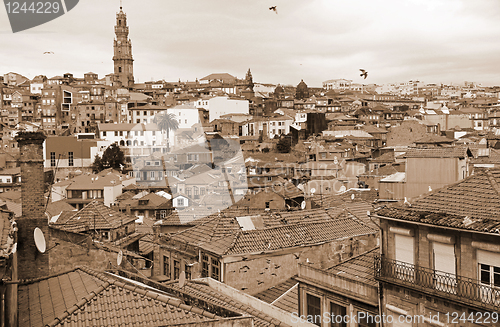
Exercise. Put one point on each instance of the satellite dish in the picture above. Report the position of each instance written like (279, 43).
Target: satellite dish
(39, 240)
(342, 188)
(182, 279)
(303, 205)
(119, 258)
(313, 190)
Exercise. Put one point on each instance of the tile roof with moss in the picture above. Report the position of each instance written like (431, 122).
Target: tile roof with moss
(470, 204)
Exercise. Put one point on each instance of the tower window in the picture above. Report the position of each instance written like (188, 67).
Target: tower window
(119, 21)
(119, 69)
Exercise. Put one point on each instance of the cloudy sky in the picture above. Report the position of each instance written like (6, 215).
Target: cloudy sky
(434, 41)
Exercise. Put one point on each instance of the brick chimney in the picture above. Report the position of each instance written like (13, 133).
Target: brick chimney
(32, 263)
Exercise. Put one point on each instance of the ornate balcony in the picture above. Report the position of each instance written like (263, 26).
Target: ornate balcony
(459, 289)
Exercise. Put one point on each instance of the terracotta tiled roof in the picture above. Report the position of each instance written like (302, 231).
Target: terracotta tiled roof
(432, 138)
(386, 157)
(472, 203)
(271, 294)
(83, 297)
(358, 268)
(335, 200)
(206, 293)
(278, 238)
(451, 152)
(94, 215)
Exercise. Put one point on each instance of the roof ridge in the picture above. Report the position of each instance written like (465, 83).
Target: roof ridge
(493, 182)
(235, 236)
(34, 280)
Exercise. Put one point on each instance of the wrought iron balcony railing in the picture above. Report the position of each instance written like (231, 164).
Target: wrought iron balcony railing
(460, 289)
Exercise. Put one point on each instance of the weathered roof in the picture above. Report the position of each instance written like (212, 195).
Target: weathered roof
(283, 295)
(433, 138)
(472, 204)
(94, 215)
(278, 238)
(206, 293)
(96, 181)
(84, 297)
(451, 152)
(358, 268)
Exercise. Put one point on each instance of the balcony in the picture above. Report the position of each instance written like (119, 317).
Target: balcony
(463, 290)
(363, 290)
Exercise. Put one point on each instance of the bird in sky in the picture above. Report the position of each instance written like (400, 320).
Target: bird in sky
(274, 9)
(363, 73)
(48, 52)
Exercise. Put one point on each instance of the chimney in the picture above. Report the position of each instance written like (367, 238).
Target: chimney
(32, 263)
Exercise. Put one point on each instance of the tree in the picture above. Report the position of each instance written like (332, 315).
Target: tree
(113, 157)
(166, 122)
(284, 144)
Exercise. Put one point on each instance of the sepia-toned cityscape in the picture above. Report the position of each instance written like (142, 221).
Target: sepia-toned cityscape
(333, 197)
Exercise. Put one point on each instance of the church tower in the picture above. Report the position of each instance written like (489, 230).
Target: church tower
(124, 67)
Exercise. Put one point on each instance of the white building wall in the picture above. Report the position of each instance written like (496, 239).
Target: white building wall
(219, 106)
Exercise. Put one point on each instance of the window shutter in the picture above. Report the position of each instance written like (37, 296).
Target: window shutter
(404, 248)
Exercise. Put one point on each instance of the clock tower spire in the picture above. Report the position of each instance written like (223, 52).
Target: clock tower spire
(122, 58)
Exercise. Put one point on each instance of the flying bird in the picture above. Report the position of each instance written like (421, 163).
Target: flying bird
(48, 52)
(363, 73)
(273, 8)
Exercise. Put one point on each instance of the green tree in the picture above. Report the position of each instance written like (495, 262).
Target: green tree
(166, 122)
(113, 157)
(284, 145)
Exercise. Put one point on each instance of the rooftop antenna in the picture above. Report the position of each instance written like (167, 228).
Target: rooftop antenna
(120, 4)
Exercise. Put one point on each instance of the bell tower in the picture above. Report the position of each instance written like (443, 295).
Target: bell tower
(122, 58)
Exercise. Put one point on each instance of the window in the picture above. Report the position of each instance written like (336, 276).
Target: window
(104, 133)
(205, 265)
(119, 69)
(166, 266)
(314, 309)
(267, 204)
(489, 275)
(52, 159)
(338, 311)
(444, 264)
(215, 269)
(70, 159)
(405, 256)
(105, 236)
(187, 271)
(177, 269)
(152, 174)
(180, 202)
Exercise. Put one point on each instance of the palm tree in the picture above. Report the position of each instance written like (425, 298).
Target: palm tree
(166, 122)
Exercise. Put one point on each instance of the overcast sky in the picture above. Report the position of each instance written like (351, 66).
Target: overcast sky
(434, 41)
